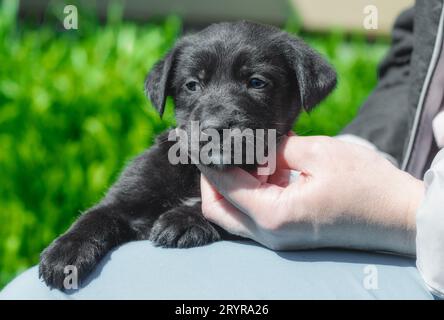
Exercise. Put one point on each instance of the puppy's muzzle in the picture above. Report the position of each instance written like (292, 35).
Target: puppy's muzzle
(219, 117)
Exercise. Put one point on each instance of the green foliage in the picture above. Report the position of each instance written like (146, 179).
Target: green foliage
(73, 112)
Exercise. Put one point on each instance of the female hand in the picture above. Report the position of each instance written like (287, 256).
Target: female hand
(346, 196)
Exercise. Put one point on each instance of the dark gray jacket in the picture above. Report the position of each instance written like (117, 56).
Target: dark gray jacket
(397, 117)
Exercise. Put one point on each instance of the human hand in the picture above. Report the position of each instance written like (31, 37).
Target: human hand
(346, 196)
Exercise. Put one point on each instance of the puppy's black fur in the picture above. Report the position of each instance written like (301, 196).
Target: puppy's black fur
(209, 76)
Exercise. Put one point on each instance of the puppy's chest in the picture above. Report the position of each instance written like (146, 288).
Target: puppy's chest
(185, 190)
(191, 195)
(190, 201)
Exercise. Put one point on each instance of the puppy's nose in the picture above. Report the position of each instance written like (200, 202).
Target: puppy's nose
(216, 124)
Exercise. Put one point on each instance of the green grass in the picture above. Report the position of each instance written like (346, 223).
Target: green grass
(73, 111)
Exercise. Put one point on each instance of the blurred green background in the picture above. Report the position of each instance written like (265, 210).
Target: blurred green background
(73, 112)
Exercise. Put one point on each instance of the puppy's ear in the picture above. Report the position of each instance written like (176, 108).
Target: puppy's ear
(157, 82)
(314, 75)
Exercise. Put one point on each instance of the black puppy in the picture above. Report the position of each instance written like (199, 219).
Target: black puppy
(230, 75)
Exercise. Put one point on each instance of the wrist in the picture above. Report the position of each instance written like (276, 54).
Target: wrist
(394, 215)
(402, 198)
(411, 194)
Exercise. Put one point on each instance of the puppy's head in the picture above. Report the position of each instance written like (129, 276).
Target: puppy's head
(240, 75)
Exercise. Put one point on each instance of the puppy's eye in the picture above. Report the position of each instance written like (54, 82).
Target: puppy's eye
(192, 85)
(256, 83)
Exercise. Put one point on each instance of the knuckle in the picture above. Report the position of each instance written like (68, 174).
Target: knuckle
(319, 143)
(319, 146)
(315, 148)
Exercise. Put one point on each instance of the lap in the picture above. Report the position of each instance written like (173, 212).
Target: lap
(235, 270)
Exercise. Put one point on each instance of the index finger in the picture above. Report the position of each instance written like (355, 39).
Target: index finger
(294, 153)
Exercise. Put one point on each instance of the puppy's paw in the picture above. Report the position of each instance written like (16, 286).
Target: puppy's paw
(179, 228)
(62, 256)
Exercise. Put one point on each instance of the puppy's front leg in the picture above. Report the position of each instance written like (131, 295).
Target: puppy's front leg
(84, 245)
(148, 187)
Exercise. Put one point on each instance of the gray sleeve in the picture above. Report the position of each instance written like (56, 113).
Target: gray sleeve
(385, 118)
(430, 228)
